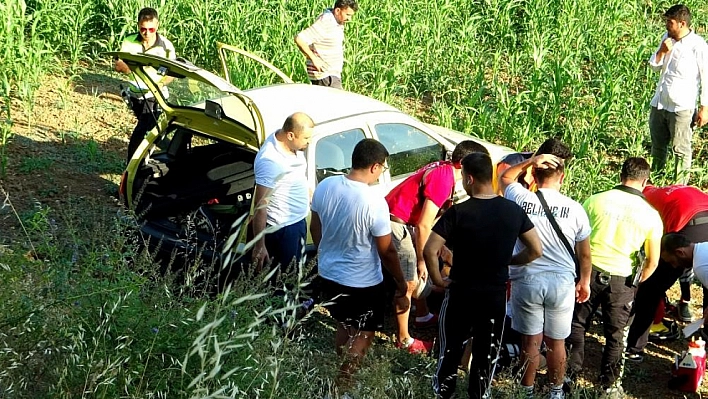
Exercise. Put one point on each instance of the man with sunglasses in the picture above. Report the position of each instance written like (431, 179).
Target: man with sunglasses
(137, 95)
(414, 205)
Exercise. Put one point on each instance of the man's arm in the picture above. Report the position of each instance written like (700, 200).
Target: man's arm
(582, 288)
(532, 250)
(304, 47)
(656, 62)
(511, 174)
(430, 253)
(702, 58)
(315, 229)
(389, 260)
(260, 253)
(652, 248)
(423, 230)
(121, 66)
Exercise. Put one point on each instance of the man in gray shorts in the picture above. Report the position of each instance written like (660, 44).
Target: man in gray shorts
(543, 292)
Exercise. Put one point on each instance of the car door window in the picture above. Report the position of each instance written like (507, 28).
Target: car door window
(333, 154)
(409, 148)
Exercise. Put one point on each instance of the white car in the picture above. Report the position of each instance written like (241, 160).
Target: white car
(195, 170)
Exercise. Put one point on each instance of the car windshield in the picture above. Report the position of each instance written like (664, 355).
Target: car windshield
(187, 92)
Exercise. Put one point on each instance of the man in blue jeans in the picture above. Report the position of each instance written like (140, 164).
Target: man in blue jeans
(282, 195)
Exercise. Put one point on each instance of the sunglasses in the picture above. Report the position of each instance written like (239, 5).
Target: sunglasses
(149, 30)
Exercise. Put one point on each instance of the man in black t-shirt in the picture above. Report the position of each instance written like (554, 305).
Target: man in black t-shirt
(482, 232)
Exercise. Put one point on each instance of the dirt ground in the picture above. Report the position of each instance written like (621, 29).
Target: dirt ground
(72, 141)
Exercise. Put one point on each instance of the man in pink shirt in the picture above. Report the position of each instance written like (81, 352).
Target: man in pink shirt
(416, 203)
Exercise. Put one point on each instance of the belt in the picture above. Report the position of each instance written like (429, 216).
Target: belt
(604, 278)
(697, 221)
(396, 219)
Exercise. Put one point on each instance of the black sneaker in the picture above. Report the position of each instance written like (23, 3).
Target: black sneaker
(684, 312)
(634, 357)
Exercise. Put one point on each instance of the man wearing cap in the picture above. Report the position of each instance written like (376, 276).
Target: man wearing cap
(137, 95)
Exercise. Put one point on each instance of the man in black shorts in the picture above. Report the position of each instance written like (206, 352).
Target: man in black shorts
(351, 228)
(481, 232)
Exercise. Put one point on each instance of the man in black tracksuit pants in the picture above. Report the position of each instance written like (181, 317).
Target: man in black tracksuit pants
(481, 232)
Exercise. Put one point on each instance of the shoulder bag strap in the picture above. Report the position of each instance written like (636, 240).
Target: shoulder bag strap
(560, 234)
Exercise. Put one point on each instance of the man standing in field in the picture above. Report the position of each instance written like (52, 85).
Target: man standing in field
(282, 195)
(416, 203)
(323, 44)
(683, 209)
(544, 291)
(137, 95)
(481, 232)
(682, 61)
(351, 228)
(621, 221)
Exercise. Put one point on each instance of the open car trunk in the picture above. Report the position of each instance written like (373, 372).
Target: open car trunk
(190, 192)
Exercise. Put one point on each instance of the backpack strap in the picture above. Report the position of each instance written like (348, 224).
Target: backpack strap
(560, 234)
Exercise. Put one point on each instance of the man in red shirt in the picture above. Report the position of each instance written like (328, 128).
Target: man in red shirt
(416, 203)
(683, 209)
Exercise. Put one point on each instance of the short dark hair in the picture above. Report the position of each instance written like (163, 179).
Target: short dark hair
(464, 148)
(368, 152)
(297, 122)
(555, 147)
(344, 4)
(670, 242)
(635, 168)
(147, 14)
(479, 166)
(680, 13)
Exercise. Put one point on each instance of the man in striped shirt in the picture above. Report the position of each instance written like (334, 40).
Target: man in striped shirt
(323, 44)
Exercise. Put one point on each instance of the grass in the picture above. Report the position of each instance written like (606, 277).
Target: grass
(85, 314)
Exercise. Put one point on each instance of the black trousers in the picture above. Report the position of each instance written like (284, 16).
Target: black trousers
(651, 291)
(466, 313)
(615, 295)
(147, 111)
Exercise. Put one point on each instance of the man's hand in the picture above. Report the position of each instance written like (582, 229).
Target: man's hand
(702, 117)
(666, 45)
(582, 291)
(318, 63)
(546, 161)
(400, 298)
(260, 256)
(422, 270)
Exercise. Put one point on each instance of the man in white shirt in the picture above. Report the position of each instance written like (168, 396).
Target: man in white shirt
(544, 292)
(678, 251)
(682, 60)
(351, 228)
(282, 195)
(323, 44)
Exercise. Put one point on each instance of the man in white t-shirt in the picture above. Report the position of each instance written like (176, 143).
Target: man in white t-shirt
(544, 292)
(323, 44)
(678, 251)
(351, 228)
(282, 194)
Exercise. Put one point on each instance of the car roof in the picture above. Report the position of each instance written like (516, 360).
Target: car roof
(322, 104)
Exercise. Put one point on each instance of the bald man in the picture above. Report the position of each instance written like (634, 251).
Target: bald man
(282, 196)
